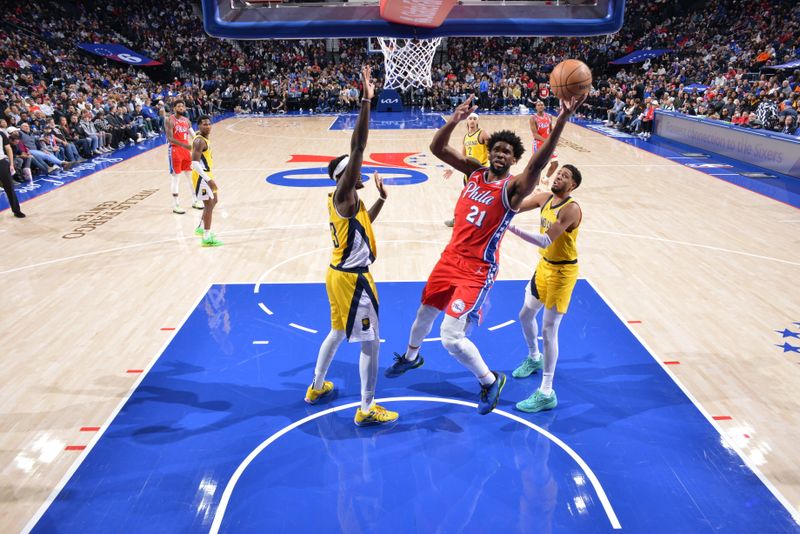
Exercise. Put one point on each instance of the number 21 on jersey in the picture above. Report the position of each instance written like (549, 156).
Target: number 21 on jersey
(475, 216)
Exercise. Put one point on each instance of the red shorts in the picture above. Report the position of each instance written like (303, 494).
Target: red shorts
(538, 144)
(180, 159)
(459, 287)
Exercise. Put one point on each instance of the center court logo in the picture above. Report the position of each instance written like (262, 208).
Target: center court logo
(391, 166)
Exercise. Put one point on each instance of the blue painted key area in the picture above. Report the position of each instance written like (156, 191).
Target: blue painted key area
(211, 423)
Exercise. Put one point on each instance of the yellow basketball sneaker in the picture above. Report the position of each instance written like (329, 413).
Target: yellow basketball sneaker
(378, 415)
(313, 395)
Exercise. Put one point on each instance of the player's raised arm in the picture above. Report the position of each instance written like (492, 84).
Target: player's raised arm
(523, 184)
(440, 146)
(531, 202)
(344, 197)
(378, 205)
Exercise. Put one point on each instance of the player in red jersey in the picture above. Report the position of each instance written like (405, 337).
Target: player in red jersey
(541, 125)
(179, 136)
(466, 271)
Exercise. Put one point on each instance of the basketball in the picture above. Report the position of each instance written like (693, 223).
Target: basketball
(570, 78)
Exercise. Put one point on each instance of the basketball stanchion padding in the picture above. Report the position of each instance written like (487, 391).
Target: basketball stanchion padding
(420, 13)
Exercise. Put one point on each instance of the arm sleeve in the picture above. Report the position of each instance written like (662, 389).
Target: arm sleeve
(540, 240)
(198, 168)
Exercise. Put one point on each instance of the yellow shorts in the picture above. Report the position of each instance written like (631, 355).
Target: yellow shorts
(552, 284)
(354, 304)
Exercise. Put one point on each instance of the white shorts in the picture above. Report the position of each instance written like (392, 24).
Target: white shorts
(354, 304)
(202, 190)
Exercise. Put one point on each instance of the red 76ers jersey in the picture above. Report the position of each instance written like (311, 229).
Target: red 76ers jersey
(180, 128)
(543, 125)
(481, 217)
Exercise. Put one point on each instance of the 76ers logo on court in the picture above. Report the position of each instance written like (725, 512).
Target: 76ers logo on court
(392, 167)
(457, 306)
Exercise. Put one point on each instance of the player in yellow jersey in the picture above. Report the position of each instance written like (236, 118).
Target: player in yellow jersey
(476, 146)
(205, 188)
(552, 283)
(351, 290)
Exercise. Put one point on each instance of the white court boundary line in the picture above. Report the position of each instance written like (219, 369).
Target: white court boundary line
(230, 486)
(678, 164)
(384, 242)
(303, 328)
(764, 480)
(501, 325)
(77, 463)
(688, 244)
(321, 224)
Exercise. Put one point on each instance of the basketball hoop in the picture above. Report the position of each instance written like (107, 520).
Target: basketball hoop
(408, 61)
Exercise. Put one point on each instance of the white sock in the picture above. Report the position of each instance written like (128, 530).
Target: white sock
(326, 353)
(368, 370)
(206, 234)
(423, 323)
(527, 319)
(464, 350)
(551, 320)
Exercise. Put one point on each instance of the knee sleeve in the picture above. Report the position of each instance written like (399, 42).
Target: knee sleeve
(452, 333)
(174, 185)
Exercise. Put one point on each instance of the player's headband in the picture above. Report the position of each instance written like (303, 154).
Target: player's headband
(472, 115)
(341, 167)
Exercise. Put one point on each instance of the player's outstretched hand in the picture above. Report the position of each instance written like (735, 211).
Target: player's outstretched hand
(369, 85)
(464, 109)
(568, 108)
(379, 184)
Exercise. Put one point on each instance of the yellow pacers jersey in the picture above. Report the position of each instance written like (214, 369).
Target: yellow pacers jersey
(207, 160)
(475, 149)
(353, 240)
(565, 248)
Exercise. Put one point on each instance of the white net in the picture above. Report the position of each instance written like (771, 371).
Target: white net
(408, 61)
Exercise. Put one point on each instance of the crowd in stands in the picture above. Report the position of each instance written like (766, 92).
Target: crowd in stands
(61, 105)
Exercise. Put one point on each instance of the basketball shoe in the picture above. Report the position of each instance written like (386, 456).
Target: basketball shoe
(314, 395)
(378, 415)
(490, 395)
(527, 368)
(538, 402)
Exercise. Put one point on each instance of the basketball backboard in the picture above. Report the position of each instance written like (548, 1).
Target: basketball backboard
(298, 19)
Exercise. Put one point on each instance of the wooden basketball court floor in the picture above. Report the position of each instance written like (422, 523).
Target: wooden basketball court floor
(704, 272)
